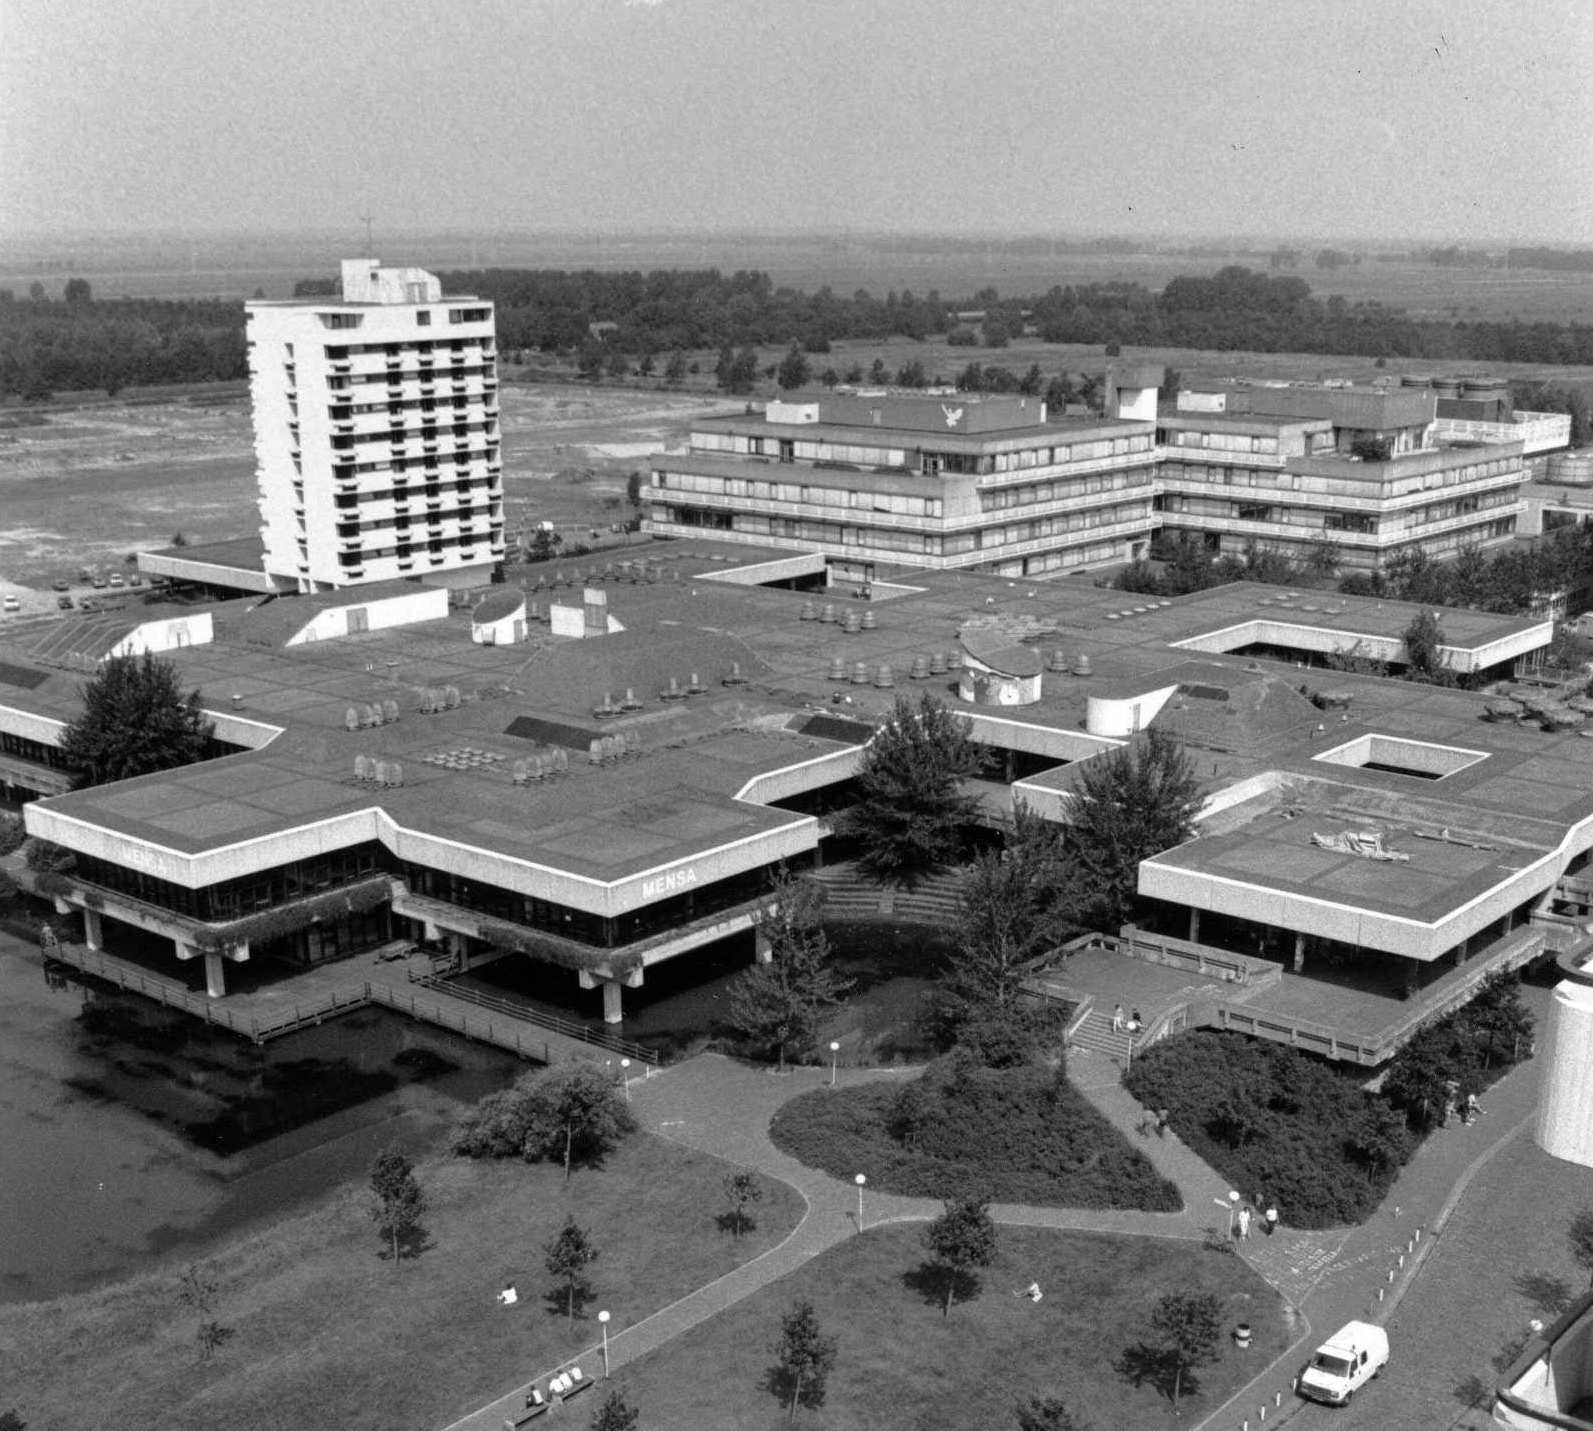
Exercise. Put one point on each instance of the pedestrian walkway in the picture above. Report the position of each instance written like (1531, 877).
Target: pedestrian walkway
(1345, 1286)
(723, 1108)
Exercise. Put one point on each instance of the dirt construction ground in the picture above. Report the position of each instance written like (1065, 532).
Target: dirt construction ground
(90, 484)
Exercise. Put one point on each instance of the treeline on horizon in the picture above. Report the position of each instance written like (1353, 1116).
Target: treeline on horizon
(78, 342)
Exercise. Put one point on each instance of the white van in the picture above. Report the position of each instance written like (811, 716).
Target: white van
(1344, 1363)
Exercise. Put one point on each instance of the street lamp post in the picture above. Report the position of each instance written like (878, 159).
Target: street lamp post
(1233, 1207)
(835, 1050)
(625, 1077)
(602, 1318)
(860, 1180)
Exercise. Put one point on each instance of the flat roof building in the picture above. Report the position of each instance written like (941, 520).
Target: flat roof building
(599, 802)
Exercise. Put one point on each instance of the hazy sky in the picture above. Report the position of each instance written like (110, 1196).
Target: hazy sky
(1467, 119)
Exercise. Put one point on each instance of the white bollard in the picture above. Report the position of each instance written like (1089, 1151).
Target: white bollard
(1391, 1275)
(1277, 1398)
(1263, 1415)
(1418, 1235)
(1379, 1294)
(1401, 1259)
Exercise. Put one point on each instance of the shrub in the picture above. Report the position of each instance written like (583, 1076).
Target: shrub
(959, 1130)
(12, 833)
(571, 1114)
(1463, 1052)
(1277, 1121)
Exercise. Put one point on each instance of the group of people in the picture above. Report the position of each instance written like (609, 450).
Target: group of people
(1133, 1023)
(1249, 1213)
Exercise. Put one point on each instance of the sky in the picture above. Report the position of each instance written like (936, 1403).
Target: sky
(1460, 122)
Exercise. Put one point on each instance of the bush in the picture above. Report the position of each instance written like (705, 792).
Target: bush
(957, 1131)
(1464, 1052)
(570, 1114)
(1276, 1121)
(12, 833)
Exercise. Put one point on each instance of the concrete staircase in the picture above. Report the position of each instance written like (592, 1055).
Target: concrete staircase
(1095, 1033)
(848, 895)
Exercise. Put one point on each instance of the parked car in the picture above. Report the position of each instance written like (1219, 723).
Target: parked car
(11, 603)
(97, 582)
(135, 580)
(116, 578)
(1344, 1363)
(61, 584)
(64, 602)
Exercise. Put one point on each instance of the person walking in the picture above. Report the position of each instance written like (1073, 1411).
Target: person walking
(1272, 1219)
(1117, 1019)
(1244, 1223)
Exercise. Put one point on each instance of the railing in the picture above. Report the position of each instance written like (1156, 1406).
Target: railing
(212, 1011)
(1177, 954)
(553, 1023)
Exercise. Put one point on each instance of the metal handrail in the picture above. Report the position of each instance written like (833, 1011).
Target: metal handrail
(569, 1028)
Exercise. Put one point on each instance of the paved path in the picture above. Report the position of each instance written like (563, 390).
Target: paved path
(720, 1107)
(1329, 1290)
(723, 1108)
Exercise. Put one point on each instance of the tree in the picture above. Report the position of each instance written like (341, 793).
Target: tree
(961, 1238)
(1049, 1414)
(1423, 638)
(616, 1414)
(744, 1190)
(77, 290)
(399, 1202)
(567, 1257)
(196, 1290)
(1189, 1325)
(805, 1359)
(743, 373)
(12, 1421)
(135, 720)
(778, 1002)
(911, 807)
(794, 369)
(178, 539)
(1580, 1236)
(574, 1112)
(675, 369)
(1017, 904)
(1130, 805)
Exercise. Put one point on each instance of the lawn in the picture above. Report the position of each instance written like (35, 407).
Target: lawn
(328, 1333)
(902, 1365)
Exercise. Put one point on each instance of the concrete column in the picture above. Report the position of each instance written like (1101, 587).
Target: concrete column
(215, 975)
(1194, 926)
(93, 930)
(613, 1009)
(1299, 952)
(762, 950)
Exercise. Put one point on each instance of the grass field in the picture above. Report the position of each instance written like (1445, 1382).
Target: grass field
(903, 1367)
(234, 266)
(328, 1333)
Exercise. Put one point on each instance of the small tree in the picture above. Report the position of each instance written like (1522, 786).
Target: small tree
(961, 1238)
(196, 1290)
(135, 720)
(12, 1421)
(399, 1202)
(675, 369)
(574, 1112)
(1130, 804)
(806, 1358)
(1049, 1414)
(912, 808)
(1189, 1326)
(743, 1190)
(567, 1258)
(778, 1003)
(1422, 639)
(1017, 904)
(1580, 1236)
(794, 369)
(615, 1414)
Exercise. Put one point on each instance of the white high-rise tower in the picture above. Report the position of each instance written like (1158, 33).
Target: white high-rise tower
(376, 432)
